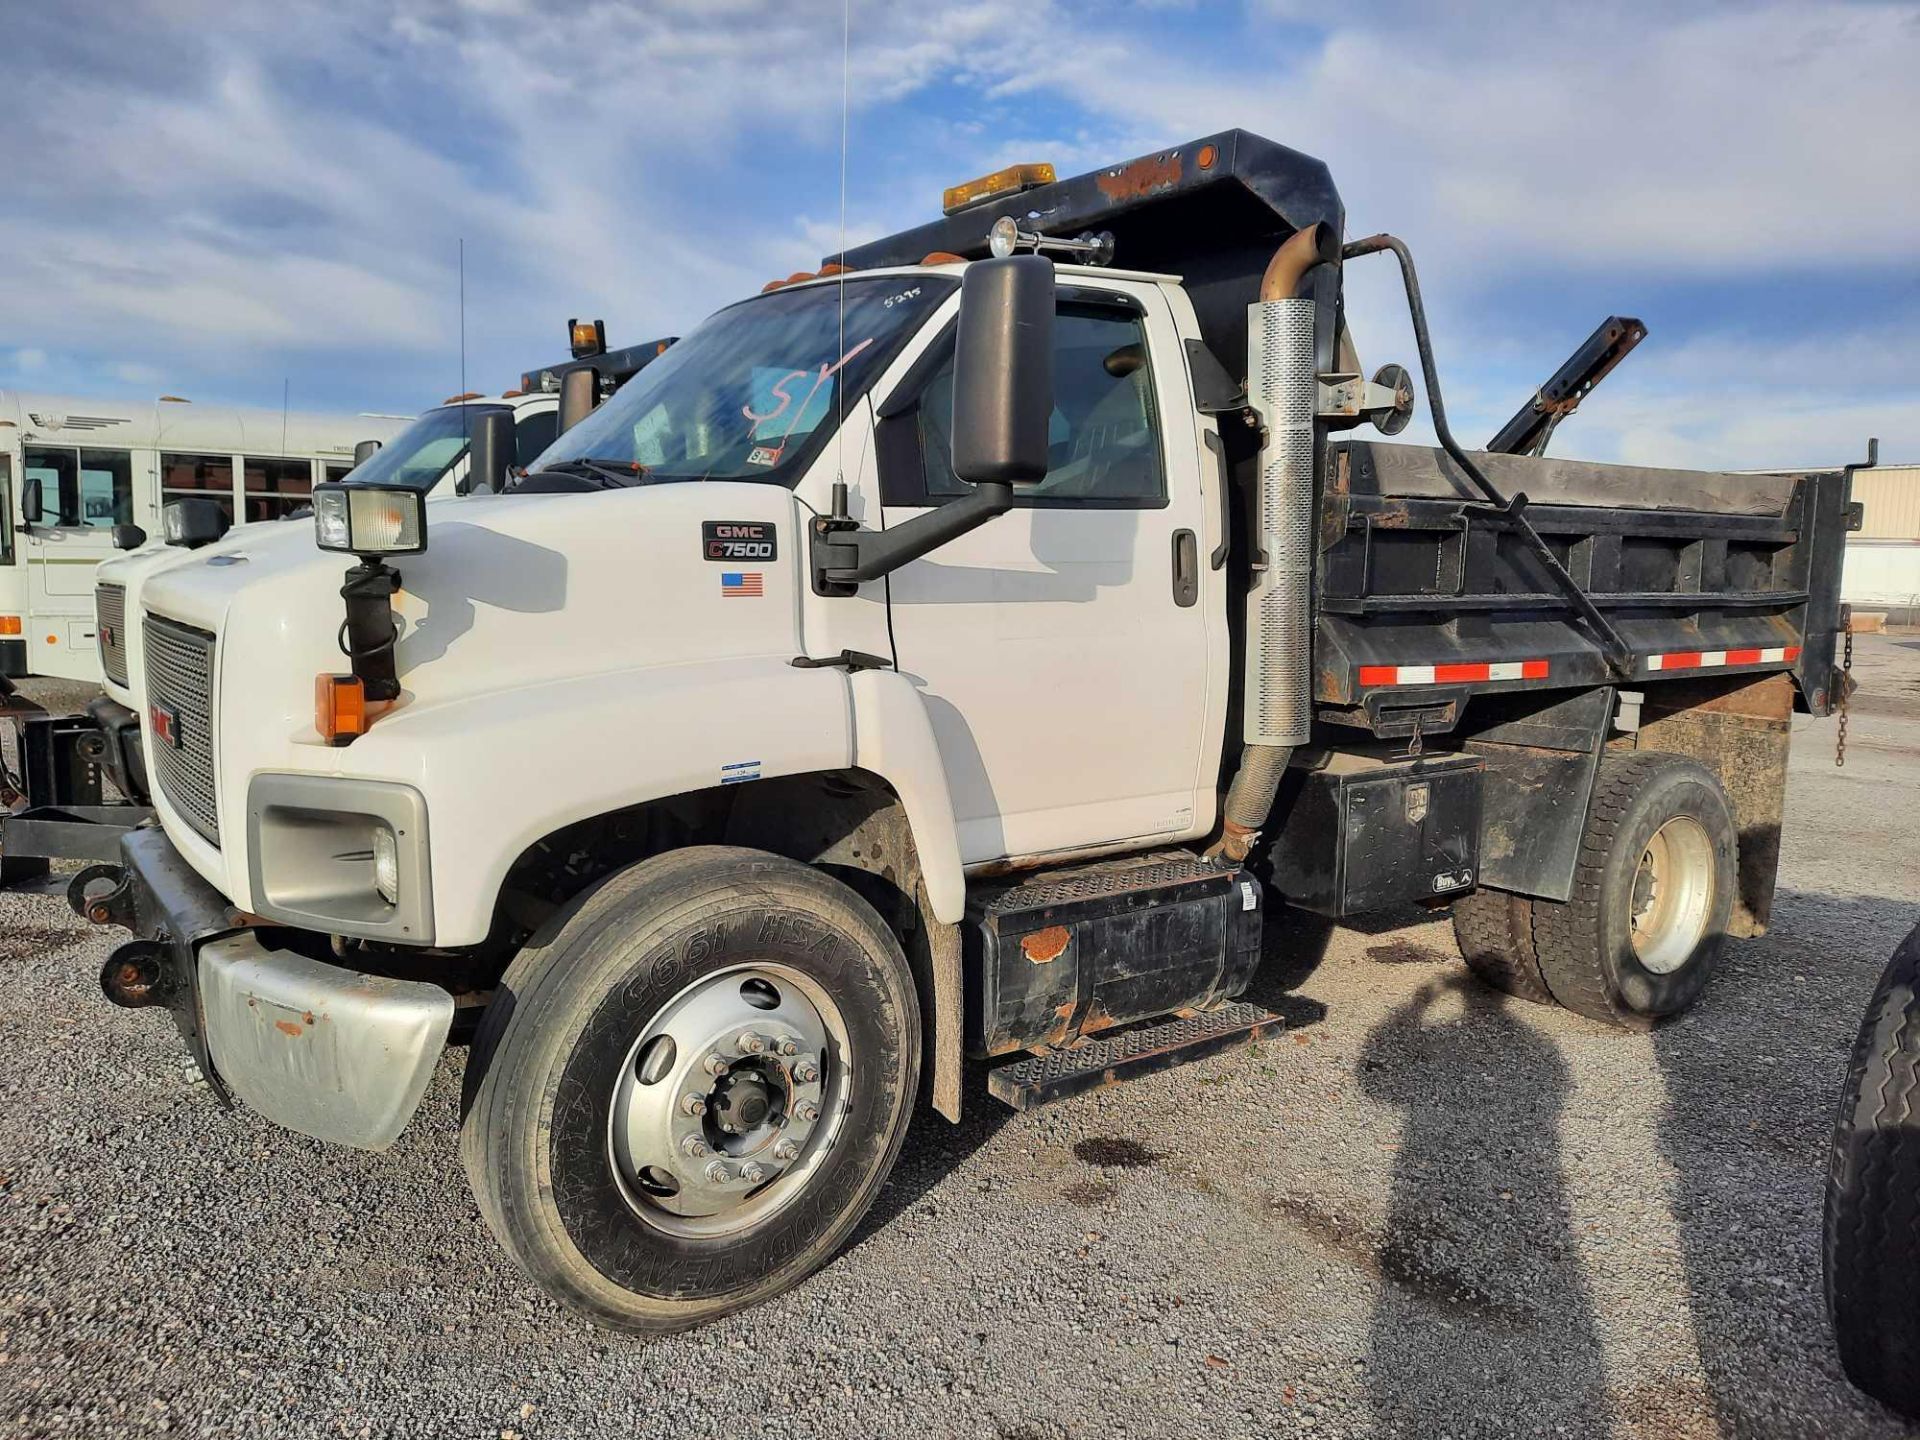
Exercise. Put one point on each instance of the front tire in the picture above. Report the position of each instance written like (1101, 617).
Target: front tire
(689, 1090)
(1653, 890)
(1871, 1249)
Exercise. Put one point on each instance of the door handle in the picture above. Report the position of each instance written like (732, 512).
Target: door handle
(1186, 568)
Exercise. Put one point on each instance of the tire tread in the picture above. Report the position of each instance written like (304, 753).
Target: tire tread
(1871, 1231)
(1494, 930)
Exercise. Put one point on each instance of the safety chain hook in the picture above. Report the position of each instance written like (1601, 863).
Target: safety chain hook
(1846, 684)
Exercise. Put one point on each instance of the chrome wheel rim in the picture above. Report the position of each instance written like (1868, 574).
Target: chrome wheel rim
(1672, 895)
(729, 1101)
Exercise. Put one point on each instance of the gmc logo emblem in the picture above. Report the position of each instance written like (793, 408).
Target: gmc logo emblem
(106, 636)
(166, 724)
(754, 540)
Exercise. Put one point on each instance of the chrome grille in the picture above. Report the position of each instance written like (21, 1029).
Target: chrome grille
(109, 623)
(180, 697)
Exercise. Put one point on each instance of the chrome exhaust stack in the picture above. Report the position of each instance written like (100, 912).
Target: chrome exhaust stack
(1279, 637)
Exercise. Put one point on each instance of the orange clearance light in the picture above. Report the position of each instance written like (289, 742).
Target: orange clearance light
(9, 624)
(339, 708)
(1010, 181)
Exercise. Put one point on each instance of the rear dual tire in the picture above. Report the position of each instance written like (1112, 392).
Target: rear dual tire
(594, 1185)
(1641, 930)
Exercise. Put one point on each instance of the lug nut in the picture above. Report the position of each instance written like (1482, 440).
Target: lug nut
(718, 1174)
(785, 1150)
(750, 1043)
(752, 1173)
(806, 1111)
(694, 1105)
(714, 1066)
(806, 1072)
(789, 1045)
(694, 1146)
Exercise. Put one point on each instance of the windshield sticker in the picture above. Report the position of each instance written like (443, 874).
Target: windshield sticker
(765, 454)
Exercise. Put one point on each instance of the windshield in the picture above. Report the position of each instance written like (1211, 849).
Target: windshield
(753, 393)
(419, 455)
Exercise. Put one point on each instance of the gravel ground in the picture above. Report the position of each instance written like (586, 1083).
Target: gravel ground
(1423, 1212)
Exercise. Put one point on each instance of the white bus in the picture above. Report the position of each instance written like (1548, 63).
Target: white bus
(73, 468)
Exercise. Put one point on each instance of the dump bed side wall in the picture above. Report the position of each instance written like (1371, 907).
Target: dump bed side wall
(1425, 599)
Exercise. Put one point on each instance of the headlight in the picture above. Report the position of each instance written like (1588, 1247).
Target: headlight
(386, 865)
(369, 520)
(340, 856)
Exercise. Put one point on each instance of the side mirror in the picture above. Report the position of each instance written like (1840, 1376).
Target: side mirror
(490, 454)
(363, 452)
(579, 393)
(193, 523)
(1002, 408)
(1003, 371)
(128, 537)
(31, 506)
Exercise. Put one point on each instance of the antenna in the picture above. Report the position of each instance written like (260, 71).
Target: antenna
(840, 263)
(466, 411)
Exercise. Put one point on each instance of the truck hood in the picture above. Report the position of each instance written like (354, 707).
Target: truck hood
(511, 591)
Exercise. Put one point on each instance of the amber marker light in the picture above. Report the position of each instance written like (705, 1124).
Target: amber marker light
(339, 708)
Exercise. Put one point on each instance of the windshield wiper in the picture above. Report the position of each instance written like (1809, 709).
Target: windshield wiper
(581, 465)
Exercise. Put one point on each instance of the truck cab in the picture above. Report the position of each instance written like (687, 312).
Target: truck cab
(959, 651)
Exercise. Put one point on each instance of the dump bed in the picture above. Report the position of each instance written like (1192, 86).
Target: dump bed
(1426, 595)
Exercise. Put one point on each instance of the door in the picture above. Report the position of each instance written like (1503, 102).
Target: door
(1062, 649)
(84, 493)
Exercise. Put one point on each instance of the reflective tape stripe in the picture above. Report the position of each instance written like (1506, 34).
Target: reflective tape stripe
(1709, 659)
(1455, 674)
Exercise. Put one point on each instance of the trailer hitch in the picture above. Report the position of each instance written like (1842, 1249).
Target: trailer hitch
(1511, 509)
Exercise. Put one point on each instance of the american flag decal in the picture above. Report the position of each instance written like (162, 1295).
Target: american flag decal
(742, 582)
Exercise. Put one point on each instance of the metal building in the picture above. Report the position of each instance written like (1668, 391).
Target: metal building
(1883, 558)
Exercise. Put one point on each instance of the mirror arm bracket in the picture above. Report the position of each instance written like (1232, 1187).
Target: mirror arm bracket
(846, 556)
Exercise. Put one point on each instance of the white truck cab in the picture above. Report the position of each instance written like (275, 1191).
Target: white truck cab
(939, 655)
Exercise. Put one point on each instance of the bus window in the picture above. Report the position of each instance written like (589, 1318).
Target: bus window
(336, 470)
(105, 496)
(56, 470)
(273, 487)
(6, 510)
(199, 477)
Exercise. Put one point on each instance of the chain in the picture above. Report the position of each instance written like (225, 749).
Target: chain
(1846, 669)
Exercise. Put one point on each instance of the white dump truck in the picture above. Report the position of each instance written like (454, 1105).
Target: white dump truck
(956, 652)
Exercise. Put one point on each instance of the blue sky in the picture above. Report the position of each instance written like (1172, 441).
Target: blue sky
(206, 198)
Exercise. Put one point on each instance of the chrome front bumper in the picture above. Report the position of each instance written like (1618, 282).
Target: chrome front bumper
(323, 1050)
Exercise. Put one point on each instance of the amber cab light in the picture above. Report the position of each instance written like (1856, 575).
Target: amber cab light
(339, 708)
(1010, 181)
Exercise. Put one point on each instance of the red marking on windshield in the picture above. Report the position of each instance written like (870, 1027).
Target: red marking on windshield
(827, 372)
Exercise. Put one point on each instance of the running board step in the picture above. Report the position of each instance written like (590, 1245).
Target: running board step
(1062, 1074)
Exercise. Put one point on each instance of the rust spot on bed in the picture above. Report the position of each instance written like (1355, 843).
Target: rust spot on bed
(1142, 178)
(1044, 945)
(287, 1027)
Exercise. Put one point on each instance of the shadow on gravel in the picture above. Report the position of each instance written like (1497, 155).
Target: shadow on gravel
(1752, 1076)
(935, 1148)
(1484, 1294)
